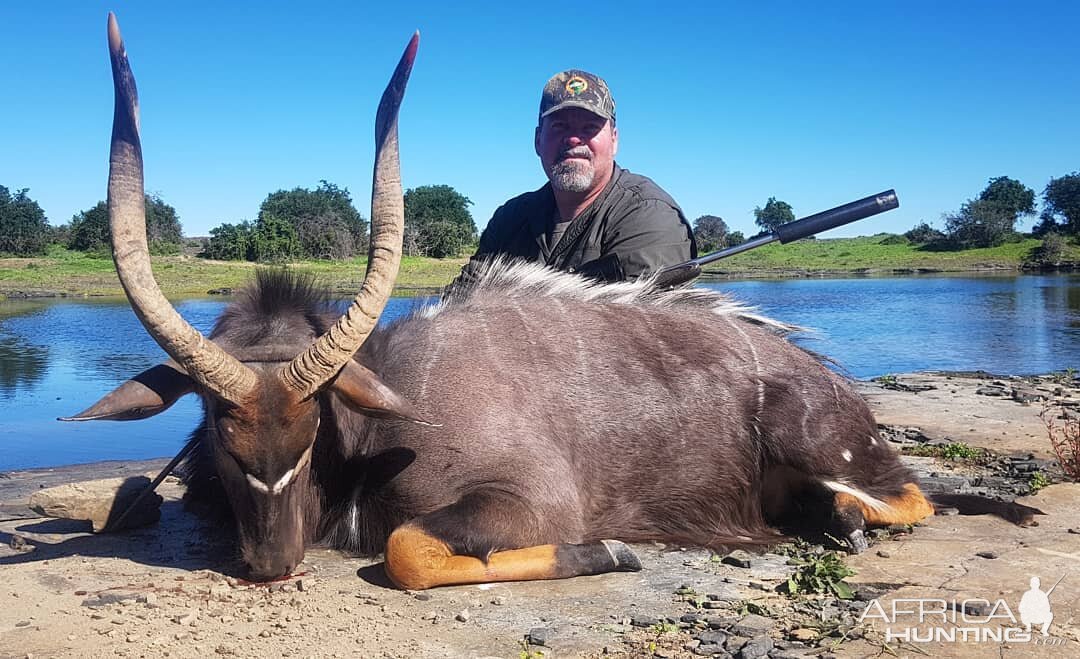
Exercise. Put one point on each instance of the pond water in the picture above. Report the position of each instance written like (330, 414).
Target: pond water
(57, 357)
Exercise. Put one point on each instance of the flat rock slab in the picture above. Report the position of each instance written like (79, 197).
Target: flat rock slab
(101, 502)
(951, 410)
(946, 559)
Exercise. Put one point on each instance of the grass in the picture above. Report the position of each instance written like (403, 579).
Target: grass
(952, 451)
(75, 273)
(873, 254)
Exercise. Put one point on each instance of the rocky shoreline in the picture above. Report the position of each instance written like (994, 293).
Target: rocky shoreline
(166, 590)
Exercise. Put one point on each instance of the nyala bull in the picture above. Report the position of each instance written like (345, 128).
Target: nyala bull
(525, 428)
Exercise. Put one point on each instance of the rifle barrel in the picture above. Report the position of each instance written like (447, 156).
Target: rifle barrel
(785, 233)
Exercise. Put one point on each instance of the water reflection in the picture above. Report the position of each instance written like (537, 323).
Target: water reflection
(22, 362)
(57, 357)
(872, 326)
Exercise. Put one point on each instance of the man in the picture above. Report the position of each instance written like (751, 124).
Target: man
(592, 217)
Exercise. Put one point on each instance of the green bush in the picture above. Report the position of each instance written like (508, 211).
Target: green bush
(24, 230)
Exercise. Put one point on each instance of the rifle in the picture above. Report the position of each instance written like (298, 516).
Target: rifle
(681, 273)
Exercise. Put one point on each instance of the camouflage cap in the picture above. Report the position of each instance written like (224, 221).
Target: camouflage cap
(577, 89)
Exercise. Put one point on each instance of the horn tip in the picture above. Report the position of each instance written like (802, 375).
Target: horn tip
(410, 50)
(116, 42)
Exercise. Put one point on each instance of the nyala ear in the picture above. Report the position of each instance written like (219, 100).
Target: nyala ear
(365, 393)
(148, 393)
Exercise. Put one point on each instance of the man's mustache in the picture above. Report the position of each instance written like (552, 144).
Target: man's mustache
(576, 152)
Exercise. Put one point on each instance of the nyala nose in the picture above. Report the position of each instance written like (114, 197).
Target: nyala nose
(268, 569)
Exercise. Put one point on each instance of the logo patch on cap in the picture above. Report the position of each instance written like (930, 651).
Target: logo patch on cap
(576, 85)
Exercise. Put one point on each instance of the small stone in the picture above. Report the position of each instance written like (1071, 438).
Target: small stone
(721, 622)
(300, 585)
(644, 621)
(23, 623)
(948, 511)
(738, 558)
(498, 600)
(1074, 531)
(712, 638)
(423, 597)
(976, 608)
(663, 653)
(538, 636)
(17, 542)
(691, 618)
(752, 625)
(987, 554)
(756, 648)
(265, 633)
(884, 554)
(805, 634)
(131, 638)
(150, 599)
(462, 616)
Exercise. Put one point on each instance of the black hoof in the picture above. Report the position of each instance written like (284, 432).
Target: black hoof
(857, 540)
(625, 559)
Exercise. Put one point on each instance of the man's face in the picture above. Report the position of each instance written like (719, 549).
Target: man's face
(577, 149)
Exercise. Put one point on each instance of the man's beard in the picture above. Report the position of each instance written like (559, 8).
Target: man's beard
(570, 174)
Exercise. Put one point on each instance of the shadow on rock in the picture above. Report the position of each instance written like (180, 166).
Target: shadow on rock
(179, 540)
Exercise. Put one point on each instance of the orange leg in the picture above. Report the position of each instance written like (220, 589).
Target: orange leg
(416, 560)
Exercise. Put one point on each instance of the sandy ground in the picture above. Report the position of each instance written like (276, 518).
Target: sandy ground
(166, 590)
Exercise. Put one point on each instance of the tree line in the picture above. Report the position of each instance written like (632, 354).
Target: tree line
(301, 223)
(987, 220)
(25, 230)
(323, 223)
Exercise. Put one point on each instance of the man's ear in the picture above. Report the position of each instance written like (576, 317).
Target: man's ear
(614, 140)
(148, 393)
(536, 140)
(365, 393)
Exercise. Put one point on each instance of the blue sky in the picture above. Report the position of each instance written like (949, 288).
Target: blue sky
(724, 105)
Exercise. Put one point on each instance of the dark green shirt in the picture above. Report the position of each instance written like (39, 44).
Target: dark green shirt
(633, 219)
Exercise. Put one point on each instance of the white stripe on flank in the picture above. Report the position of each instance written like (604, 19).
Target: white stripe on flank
(876, 504)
